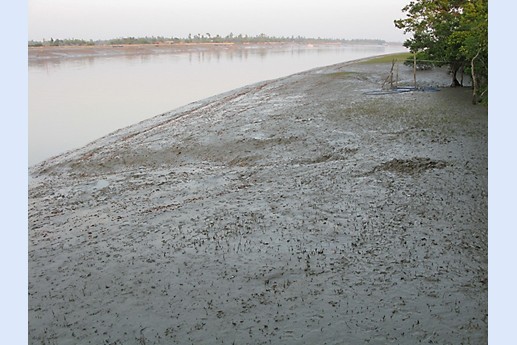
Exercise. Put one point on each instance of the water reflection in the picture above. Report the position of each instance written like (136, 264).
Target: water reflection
(74, 98)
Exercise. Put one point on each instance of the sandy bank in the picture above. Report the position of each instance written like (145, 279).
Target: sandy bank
(41, 54)
(296, 211)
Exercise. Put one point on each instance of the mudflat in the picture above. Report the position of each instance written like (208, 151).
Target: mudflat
(302, 210)
(59, 52)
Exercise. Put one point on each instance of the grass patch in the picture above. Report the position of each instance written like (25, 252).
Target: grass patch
(388, 58)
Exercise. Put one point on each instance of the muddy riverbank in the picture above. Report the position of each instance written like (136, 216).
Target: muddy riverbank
(36, 54)
(300, 210)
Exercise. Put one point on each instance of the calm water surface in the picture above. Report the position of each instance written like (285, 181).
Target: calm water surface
(73, 101)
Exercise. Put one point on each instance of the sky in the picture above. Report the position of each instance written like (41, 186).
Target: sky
(104, 19)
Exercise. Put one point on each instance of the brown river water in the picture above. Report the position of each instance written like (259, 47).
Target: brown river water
(77, 98)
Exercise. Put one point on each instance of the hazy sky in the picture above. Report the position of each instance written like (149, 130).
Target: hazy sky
(102, 19)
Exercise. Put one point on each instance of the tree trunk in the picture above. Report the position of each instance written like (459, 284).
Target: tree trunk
(455, 81)
(474, 80)
(414, 69)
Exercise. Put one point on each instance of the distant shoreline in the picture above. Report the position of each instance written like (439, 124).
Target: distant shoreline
(53, 52)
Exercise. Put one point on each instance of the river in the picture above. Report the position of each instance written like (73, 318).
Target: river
(74, 99)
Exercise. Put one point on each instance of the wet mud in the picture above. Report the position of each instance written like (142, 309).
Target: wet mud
(300, 210)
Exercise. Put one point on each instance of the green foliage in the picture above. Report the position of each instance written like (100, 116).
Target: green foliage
(471, 38)
(35, 44)
(450, 32)
(59, 42)
(205, 38)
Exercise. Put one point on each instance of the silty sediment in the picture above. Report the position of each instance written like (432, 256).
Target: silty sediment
(298, 211)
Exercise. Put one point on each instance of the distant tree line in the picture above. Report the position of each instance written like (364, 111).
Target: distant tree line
(62, 42)
(452, 33)
(202, 38)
